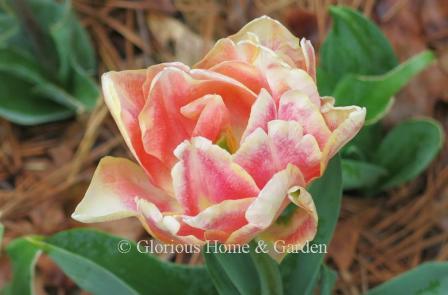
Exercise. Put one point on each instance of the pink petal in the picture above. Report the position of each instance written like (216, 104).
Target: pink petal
(224, 50)
(257, 156)
(292, 147)
(154, 70)
(262, 111)
(344, 123)
(297, 106)
(123, 95)
(163, 227)
(205, 175)
(116, 188)
(310, 57)
(282, 79)
(219, 221)
(209, 108)
(273, 35)
(293, 231)
(162, 123)
(243, 72)
(268, 205)
(262, 155)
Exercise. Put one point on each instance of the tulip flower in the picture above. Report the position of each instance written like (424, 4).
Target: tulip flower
(224, 147)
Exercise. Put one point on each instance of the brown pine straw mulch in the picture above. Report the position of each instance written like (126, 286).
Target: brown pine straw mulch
(44, 170)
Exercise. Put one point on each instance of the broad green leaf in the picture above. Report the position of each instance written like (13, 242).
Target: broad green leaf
(51, 51)
(355, 45)
(88, 257)
(23, 256)
(61, 34)
(427, 279)
(9, 27)
(19, 104)
(34, 17)
(59, 95)
(25, 67)
(365, 144)
(408, 149)
(223, 283)
(243, 273)
(358, 174)
(300, 271)
(376, 92)
(83, 53)
(83, 87)
(72, 42)
(237, 269)
(92, 260)
(268, 272)
(328, 278)
(20, 64)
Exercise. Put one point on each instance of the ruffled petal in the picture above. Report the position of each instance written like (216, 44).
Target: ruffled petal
(218, 222)
(115, 186)
(262, 112)
(224, 50)
(243, 72)
(310, 57)
(163, 227)
(123, 94)
(268, 205)
(205, 175)
(291, 146)
(204, 110)
(154, 70)
(295, 229)
(344, 123)
(161, 120)
(297, 106)
(282, 79)
(258, 157)
(273, 35)
(162, 125)
(262, 155)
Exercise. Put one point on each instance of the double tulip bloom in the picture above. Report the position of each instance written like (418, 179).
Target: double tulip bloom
(223, 147)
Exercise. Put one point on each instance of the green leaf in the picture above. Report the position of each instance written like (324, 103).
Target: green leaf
(61, 33)
(269, 273)
(358, 174)
(375, 92)
(300, 271)
(408, 149)
(427, 279)
(365, 144)
(327, 280)
(23, 256)
(59, 95)
(83, 53)
(223, 283)
(238, 271)
(20, 64)
(243, 273)
(92, 260)
(72, 42)
(50, 50)
(34, 17)
(83, 87)
(19, 104)
(355, 45)
(9, 27)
